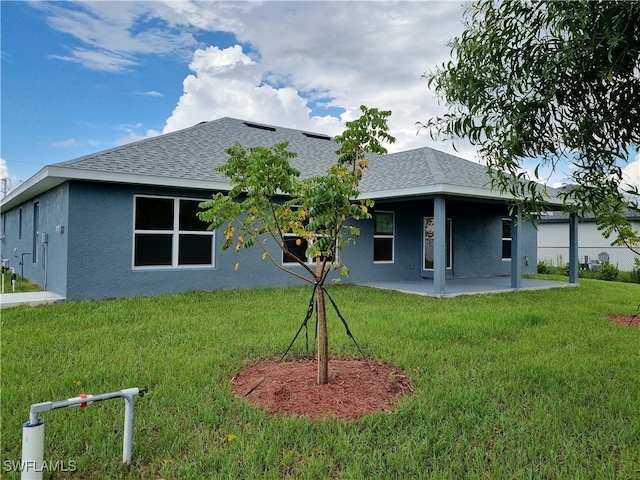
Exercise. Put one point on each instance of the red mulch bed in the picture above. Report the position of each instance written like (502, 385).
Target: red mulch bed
(355, 388)
(626, 321)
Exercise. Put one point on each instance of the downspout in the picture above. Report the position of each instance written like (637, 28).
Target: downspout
(516, 248)
(45, 247)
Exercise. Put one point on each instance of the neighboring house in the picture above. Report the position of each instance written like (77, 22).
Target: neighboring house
(122, 222)
(593, 247)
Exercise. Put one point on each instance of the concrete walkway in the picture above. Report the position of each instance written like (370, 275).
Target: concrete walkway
(28, 298)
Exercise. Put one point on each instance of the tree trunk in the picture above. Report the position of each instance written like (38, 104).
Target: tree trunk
(323, 340)
(323, 336)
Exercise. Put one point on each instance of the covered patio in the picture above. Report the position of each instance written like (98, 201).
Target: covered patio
(442, 286)
(468, 286)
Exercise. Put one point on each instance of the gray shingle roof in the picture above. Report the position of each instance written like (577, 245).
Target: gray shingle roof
(188, 158)
(563, 217)
(423, 167)
(193, 153)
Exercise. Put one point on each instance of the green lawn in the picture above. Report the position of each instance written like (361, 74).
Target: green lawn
(519, 385)
(22, 284)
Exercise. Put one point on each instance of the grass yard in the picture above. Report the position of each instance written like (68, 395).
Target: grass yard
(518, 385)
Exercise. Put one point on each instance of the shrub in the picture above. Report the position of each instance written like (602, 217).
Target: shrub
(608, 272)
(635, 273)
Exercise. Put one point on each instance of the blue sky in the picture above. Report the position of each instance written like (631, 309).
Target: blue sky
(55, 108)
(81, 77)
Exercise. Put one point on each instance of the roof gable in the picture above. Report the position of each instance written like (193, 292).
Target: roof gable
(195, 152)
(188, 159)
(423, 167)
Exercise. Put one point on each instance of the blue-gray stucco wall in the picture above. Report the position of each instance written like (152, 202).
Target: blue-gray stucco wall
(46, 265)
(92, 257)
(100, 264)
(476, 242)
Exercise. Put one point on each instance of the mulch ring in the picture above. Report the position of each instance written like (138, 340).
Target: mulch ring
(626, 321)
(355, 388)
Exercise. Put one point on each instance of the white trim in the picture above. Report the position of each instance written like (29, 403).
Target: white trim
(291, 261)
(310, 260)
(51, 176)
(392, 236)
(444, 189)
(510, 220)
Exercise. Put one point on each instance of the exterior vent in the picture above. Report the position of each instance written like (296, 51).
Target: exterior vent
(319, 136)
(261, 127)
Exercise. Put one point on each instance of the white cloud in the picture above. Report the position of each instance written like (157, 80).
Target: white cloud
(152, 93)
(360, 53)
(71, 142)
(97, 60)
(307, 65)
(631, 173)
(7, 180)
(113, 34)
(4, 170)
(228, 83)
(205, 14)
(133, 136)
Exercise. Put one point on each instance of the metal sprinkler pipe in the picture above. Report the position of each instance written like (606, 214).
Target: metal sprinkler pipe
(33, 430)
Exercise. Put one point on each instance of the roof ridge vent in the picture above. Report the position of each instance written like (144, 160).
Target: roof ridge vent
(260, 126)
(319, 136)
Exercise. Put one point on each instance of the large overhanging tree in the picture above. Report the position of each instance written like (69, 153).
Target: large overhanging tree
(552, 81)
(270, 206)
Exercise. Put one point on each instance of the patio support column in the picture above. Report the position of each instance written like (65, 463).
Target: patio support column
(573, 248)
(516, 248)
(439, 244)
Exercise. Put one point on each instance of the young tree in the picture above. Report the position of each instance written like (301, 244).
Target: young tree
(551, 81)
(270, 205)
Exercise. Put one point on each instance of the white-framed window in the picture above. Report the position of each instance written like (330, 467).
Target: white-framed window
(297, 247)
(507, 238)
(168, 234)
(429, 232)
(383, 236)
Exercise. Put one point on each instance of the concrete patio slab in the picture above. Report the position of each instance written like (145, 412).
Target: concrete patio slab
(28, 298)
(468, 286)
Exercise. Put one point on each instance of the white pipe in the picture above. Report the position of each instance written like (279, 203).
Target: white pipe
(33, 435)
(128, 430)
(32, 451)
